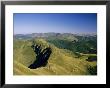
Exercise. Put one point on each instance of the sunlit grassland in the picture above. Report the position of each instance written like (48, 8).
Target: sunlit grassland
(61, 61)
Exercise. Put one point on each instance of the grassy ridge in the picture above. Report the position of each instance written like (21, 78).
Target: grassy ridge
(61, 61)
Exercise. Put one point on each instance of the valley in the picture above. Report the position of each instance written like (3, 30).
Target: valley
(71, 54)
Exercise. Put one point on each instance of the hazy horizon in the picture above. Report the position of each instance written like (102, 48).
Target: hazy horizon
(76, 23)
(56, 32)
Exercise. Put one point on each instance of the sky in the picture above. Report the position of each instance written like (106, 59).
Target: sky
(27, 23)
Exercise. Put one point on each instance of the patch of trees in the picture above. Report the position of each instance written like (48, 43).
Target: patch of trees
(42, 56)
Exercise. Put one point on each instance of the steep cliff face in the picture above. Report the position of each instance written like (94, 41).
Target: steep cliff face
(42, 56)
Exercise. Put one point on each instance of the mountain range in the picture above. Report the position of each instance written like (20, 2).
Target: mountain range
(70, 54)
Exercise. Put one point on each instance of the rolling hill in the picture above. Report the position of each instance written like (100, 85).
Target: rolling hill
(62, 61)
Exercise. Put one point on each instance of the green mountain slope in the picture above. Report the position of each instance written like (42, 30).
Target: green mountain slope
(61, 61)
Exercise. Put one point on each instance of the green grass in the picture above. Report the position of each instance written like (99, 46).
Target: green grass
(61, 61)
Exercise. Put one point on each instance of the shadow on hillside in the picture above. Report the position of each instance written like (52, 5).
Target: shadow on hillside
(42, 56)
(92, 58)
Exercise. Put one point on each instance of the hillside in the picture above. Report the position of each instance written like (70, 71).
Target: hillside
(62, 61)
